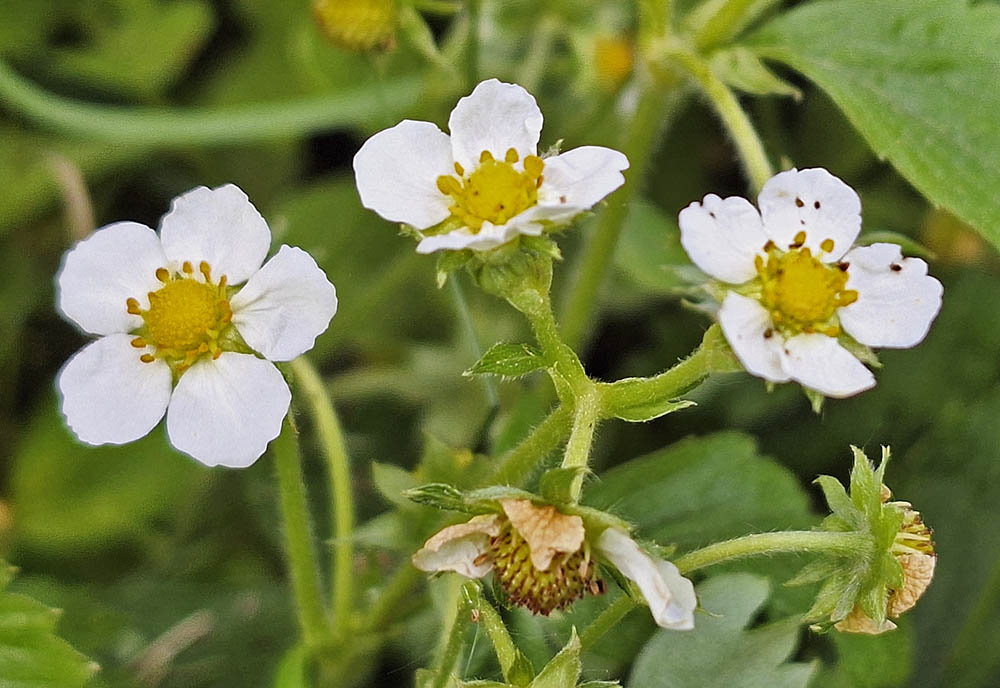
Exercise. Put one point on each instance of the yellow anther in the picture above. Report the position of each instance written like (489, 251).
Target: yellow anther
(460, 170)
(186, 317)
(495, 191)
(801, 292)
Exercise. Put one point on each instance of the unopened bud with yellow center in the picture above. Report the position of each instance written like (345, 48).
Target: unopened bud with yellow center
(358, 25)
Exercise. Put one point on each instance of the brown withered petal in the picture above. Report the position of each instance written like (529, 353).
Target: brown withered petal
(858, 622)
(918, 570)
(546, 530)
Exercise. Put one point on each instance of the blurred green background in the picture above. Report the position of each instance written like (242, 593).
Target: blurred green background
(171, 574)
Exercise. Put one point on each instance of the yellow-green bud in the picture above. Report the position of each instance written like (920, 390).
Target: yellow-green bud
(358, 25)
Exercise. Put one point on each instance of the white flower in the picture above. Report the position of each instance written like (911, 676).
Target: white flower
(175, 328)
(542, 559)
(802, 287)
(486, 177)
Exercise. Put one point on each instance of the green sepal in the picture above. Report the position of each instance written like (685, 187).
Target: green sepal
(815, 572)
(542, 245)
(742, 69)
(910, 246)
(838, 501)
(440, 496)
(450, 261)
(508, 360)
(556, 483)
(860, 351)
(563, 670)
(816, 399)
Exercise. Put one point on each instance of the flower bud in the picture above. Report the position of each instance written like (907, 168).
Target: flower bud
(358, 25)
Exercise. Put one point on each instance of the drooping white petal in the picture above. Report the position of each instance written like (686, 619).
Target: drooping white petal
(285, 305)
(489, 236)
(749, 331)
(578, 179)
(897, 299)
(225, 412)
(397, 169)
(811, 201)
(819, 362)
(722, 237)
(460, 548)
(101, 272)
(670, 596)
(220, 226)
(495, 117)
(109, 396)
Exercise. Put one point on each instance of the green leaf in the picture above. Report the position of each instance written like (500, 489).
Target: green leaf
(720, 652)
(640, 413)
(564, 669)
(508, 360)
(918, 80)
(392, 482)
(30, 652)
(740, 68)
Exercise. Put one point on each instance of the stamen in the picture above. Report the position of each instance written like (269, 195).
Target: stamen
(205, 270)
(827, 245)
(163, 275)
(132, 306)
(511, 156)
(460, 170)
(485, 156)
(147, 358)
(138, 343)
(186, 267)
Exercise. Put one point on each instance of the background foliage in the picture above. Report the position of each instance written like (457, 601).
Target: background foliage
(171, 575)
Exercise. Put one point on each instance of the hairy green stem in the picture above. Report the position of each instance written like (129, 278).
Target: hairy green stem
(517, 465)
(331, 438)
(737, 123)
(303, 566)
(503, 644)
(641, 133)
(537, 307)
(609, 618)
(718, 22)
(445, 666)
(812, 541)
(241, 124)
(400, 586)
(581, 438)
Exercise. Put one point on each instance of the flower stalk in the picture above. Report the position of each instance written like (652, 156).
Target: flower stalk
(331, 439)
(849, 544)
(302, 563)
(581, 438)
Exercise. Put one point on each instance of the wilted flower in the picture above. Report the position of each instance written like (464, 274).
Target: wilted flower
(485, 184)
(798, 292)
(545, 560)
(177, 330)
(887, 574)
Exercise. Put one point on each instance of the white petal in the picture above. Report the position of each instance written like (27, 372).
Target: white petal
(495, 117)
(219, 226)
(459, 547)
(820, 363)
(285, 305)
(224, 412)
(897, 299)
(489, 236)
(397, 169)
(722, 236)
(670, 596)
(749, 331)
(811, 201)
(109, 396)
(101, 272)
(580, 178)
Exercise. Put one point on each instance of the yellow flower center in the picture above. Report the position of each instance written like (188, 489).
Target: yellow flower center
(801, 292)
(186, 317)
(495, 191)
